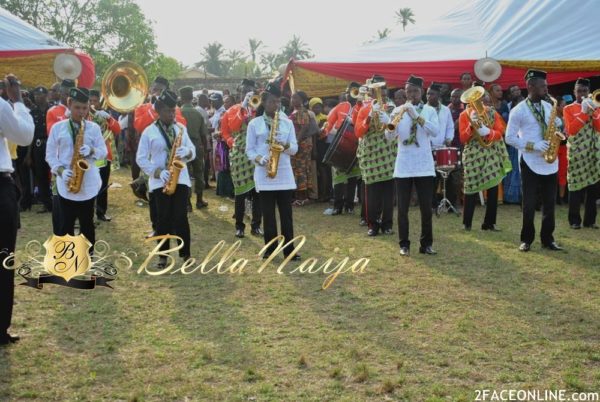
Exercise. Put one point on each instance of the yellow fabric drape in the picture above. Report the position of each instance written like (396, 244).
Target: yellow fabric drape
(554, 66)
(32, 70)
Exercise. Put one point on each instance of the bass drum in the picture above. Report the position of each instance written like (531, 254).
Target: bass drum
(341, 153)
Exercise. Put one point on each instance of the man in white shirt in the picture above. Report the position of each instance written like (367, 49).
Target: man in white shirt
(273, 191)
(59, 153)
(443, 139)
(414, 163)
(152, 157)
(16, 125)
(526, 129)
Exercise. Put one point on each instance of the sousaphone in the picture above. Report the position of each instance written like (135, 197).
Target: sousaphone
(124, 86)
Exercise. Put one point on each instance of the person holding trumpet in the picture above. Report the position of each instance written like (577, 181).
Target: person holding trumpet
(582, 126)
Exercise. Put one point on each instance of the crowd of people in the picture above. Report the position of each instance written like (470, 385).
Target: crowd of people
(264, 148)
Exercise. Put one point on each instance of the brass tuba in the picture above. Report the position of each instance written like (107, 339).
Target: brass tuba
(275, 149)
(552, 135)
(78, 164)
(474, 98)
(124, 86)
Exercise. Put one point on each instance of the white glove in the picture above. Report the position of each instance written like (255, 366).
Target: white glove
(412, 112)
(376, 107)
(68, 113)
(587, 105)
(66, 174)
(384, 118)
(85, 150)
(164, 176)
(182, 152)
(103, 114)
(247, 99)
(280, 138)
(263, 160)
(541, 146)
(483, 131)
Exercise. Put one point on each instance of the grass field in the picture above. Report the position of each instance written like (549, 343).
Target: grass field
(478, 315)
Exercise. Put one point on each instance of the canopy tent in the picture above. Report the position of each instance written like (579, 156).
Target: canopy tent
(544, 34)
(29, 53)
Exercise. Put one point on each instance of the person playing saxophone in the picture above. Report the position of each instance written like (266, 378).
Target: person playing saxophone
(59, 155)
(153, 154)
(526, 131)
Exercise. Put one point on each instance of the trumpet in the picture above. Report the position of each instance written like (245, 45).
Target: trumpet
(254, 101)
(391, 126)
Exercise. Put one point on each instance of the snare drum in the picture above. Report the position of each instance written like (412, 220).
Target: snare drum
(446, 158)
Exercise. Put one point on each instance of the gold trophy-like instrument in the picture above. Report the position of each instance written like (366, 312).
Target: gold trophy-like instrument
(275, 149)
(552, 135)
(78, 164)
(124, 86)
(474, 98)
(376, 87)
(175, 165)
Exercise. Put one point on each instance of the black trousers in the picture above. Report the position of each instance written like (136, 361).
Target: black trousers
(77, 210)
(343, 194)
(590, 194)
(152, 209)
(530, 183)
(324, 173)
(362, 198)
(9, 217)
(56, 214)
(282, 199)
(424, 187)
(491, 208)
(240, 209)
(172, 216)
(24, 174)
(379, 205)
(102, 197)
(41, 172)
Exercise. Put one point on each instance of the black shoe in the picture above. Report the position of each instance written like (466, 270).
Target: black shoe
(467, 227)
(388, 232)
(7, 339)
(349, 210)
(239, 233)
(256, 232)
(552, 246)
(525, 247)
(189, 207)
(162, 263)
(576, 226)
(104, 218)
(592, 226)
(201, 204)
(372, 232)
(362, 222)
(491, 228)
(295, 258)
(185, 257)
(266, 256)
(427, 250)
(404, 251)
(336, 212)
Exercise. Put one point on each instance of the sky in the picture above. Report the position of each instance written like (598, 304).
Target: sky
(328, 27)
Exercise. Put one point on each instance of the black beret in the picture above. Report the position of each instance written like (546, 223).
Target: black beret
(435, 86)
(377, 78)
(416, 81)
(273, 88)
(535, 74)
(40, 90)
(248, 83)
(94, 92)
(186, 91)
(353, 84)
(477, 84)
(583, 82)
(67, 83)
(80, 94)
(162, 81)
(215, 96)
(168, 98)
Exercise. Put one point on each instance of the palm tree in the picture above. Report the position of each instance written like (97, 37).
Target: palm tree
(296, 49)
(254, 45)
(383, 34)
(405, 16)
(211, 58)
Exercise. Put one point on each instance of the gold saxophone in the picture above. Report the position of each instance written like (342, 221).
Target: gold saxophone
(175, 165)
(78, 164)
(553, 136)
(275, 149)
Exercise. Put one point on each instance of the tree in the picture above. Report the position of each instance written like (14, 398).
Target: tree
(296, 49)
(405, 16)
(254, 45)
(212, 59)
(383, 34)
(271, 61)
(165, 66)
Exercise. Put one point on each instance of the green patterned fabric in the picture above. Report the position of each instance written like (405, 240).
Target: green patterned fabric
(484, 168)
(376, 157)
(340, 177)
(242, 169)
(584, 158)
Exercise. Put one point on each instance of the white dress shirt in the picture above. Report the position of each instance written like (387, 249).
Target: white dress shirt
(413, 160)
(216, 118)
(15, 126)
(446, 129)
(256, 145)
(522, 128)
(153, 153)
(59, 152)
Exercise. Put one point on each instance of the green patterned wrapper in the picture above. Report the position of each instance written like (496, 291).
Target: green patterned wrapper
(584, 158)
(242, 169)
(484, 168)
(376, 157)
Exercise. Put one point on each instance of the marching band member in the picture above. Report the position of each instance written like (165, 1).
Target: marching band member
(60, 111)
(41, 170)
(234, 125)
(376, 157)
(276, 191)
(484, 167)
(525, 131)
(414, 162)
(111, 130)
(59, 155)
(153, 154)
(582, 125)
(16, 126)
(344, 183)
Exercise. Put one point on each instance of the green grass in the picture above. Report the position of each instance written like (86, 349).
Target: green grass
(478, 315)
